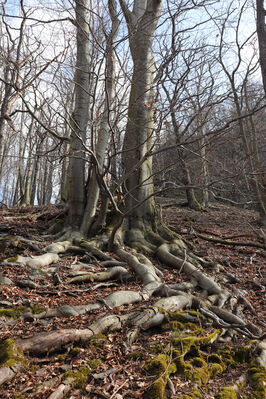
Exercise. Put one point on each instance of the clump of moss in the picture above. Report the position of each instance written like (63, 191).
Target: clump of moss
(10, 354)
(243, 354)
(226, 355)
(162, 367)
(13, 259)
(195, 394)
(38, 309)
(158, 388)
(135, 356)
(257, 375)
(156, 349)
(14, 313)
(214, 358)
(185, 316)
(158, 365)
(94, 363)
(227, 393)
(78, 378)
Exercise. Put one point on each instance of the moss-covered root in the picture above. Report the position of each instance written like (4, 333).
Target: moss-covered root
(161, 366)
(11, 360)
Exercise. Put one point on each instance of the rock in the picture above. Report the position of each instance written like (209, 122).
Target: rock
(5, 281)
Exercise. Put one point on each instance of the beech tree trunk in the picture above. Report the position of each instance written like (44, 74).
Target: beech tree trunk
(79, 118)
(137, 161)
(103, 136)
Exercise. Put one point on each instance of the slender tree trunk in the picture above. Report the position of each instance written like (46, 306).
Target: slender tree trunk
(261, 32)
(104, 131)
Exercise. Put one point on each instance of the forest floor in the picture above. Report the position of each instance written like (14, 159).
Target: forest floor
(108, 368)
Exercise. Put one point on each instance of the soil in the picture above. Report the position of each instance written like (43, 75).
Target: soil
(120, 371)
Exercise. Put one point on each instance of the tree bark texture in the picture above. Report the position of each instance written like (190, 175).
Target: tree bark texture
(261, 32)
(79, 118)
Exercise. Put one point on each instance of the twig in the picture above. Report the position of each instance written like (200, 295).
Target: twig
(118, 389)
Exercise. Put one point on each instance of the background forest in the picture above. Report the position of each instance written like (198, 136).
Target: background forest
(208, 107)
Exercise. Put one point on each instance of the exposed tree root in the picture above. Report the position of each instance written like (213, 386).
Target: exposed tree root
(227, 242)
(173, 298)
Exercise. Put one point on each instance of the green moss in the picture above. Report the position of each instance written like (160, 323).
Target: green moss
(79, 378)
(157, 389)
(257, 375)
(227, 393)
(216, 369)
(162, 367)
(98, 341)
(10, 354)
(185, 316)
(13, 259)
(74, 352)
(227, 356)
(156, 349)
(19, 396)
(135, 355)
(243, 354)
(38, 309)
(157, 366)
(195, 394)
(94, 363)
(214, 358)
(198, 362)
(12, 312)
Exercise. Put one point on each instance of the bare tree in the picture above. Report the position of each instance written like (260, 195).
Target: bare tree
(261, 32)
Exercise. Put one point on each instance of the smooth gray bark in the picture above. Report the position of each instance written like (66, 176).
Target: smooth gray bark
(137, 161)
(79, 118)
